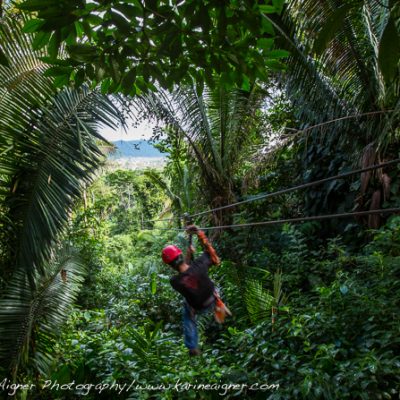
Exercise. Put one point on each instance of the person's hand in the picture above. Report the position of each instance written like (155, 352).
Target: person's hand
(192, 229)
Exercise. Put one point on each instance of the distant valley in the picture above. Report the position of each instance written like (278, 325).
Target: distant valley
(133, 149)
(136, 154)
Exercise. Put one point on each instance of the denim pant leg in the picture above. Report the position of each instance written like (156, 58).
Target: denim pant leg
(190, 332)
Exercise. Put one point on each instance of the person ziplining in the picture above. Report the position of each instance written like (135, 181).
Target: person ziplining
(194, 284)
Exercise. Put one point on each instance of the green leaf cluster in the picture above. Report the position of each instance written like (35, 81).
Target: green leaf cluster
(128, 46)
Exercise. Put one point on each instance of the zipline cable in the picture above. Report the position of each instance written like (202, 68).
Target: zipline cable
(284, 191)
(342, 119)
(298, 187)
(299, 219)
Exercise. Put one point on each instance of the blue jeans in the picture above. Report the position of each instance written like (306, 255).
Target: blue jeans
(190, 332)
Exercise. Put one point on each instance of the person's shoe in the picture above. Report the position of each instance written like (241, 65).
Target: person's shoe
(194, 352)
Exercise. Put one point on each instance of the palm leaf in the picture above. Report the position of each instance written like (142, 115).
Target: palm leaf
(163, 184)
(61, 161)
(25, 314)
(258, 301)
(343, 78)
(216, 126)
(49, 148)
(335, 74)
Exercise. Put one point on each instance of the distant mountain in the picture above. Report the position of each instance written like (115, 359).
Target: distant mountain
(133, 149)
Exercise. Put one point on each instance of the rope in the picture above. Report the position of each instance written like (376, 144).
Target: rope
(343, 118)
(162, 220)
(302, 186)
(299, 219)
(284, 191)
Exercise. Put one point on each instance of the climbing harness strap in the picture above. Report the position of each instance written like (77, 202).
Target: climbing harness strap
(220, 310)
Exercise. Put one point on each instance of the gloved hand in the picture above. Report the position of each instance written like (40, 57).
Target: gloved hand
(192, 230)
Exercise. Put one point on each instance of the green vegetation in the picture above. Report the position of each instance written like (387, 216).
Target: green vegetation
(247, 99)
(335, 333)
(140, 43)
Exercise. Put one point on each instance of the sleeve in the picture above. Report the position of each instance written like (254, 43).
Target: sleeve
(208, 248)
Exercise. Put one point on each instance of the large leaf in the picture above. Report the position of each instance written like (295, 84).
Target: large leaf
(212, 127)
(54, 151)
(25, 314)
(389, 51)
(258, 301)
(330, 28)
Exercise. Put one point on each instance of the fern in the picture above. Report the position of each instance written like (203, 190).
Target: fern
(261, 304)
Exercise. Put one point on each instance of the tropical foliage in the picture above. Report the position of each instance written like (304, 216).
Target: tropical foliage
(343, 79)
(248, 98)
(49, 153)
(142, 42)
(319, 321)
(212, 130)
(31, 320)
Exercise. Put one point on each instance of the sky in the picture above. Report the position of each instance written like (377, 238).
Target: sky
(143, 131)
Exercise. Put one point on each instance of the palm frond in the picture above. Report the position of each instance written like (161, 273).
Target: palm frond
(258, 301)
(338, 75)
(216, 127)
(162, 184)
(25, 314)
(57, 157)
(48, 146)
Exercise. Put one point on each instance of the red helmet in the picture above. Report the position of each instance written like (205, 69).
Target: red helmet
(169, 253)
